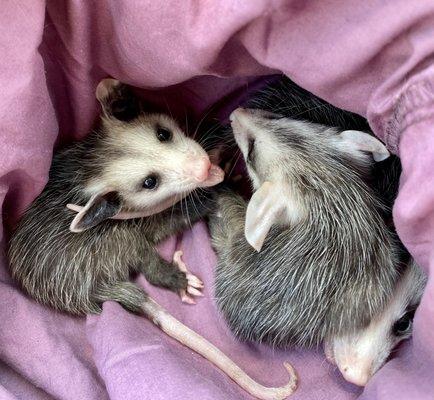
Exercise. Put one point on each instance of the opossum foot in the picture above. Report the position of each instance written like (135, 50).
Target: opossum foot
(194, 284)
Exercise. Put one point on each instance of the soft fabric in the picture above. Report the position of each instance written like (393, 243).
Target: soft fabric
(373, 57)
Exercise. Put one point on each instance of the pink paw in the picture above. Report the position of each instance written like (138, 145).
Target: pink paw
(194, 284)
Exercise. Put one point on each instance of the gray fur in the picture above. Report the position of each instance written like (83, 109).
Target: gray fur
(327, 275)
(77, 272)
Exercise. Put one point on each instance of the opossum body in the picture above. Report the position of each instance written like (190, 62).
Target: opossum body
(360, 352)
(129, 166)
(328, 263)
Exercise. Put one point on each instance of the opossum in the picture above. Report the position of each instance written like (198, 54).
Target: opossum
(323, 244)
(134, 164)
(329, 264)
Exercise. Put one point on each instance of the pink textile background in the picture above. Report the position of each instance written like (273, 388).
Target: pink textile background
(373, 57)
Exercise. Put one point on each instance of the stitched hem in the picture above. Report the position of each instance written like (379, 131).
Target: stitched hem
(414, 105)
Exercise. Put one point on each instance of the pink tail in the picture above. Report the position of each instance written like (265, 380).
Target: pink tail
(200, 345)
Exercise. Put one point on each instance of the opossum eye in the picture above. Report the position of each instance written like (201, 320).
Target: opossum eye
(150, 182)
(271, 116)
(403, 325)
(163, 134)
(250, 150)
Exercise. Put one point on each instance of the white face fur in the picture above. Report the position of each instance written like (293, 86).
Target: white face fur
(272, 145)
(360, 355)
(150, 160)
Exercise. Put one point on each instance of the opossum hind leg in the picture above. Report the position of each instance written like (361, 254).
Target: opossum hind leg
(127, 294)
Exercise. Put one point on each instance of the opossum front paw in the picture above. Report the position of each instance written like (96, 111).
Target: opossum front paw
(194, 284)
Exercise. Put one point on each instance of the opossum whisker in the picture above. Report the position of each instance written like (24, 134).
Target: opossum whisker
(238, 155)
(169, 110)
(201, 121)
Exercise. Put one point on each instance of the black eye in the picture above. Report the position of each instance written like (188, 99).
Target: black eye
(272, 116)
(250, 150)
(163, 134)
(150, 182)
(403, 325)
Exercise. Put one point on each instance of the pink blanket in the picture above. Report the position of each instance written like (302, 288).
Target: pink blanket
(373, 57)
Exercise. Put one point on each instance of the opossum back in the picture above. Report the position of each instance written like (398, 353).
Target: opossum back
(301, 287)
(59, 268)
(284, 97)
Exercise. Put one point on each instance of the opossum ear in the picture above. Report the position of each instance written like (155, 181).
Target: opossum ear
(117, 100)
(105, 88)
(365, 142)
(263, 211)
(100, 207)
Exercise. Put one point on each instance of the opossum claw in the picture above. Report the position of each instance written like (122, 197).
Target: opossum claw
(194, 281)
(186, 298)
(193, 291)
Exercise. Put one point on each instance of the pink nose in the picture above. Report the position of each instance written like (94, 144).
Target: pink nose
(199, 168)
(238, 114)
(357, 376)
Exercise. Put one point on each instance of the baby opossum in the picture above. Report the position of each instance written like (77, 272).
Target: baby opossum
(323, 243)
(329, 264)
(133, 165)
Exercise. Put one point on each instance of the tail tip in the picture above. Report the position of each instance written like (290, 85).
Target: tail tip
(293, 378)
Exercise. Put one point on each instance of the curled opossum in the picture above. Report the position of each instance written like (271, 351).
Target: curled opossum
(329, 263)
(318, 230)
(134, 165)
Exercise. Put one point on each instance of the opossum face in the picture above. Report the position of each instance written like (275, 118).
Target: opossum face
(145, 162)
(360, 355)
(272, 145)
(280, 151)
(148, 160)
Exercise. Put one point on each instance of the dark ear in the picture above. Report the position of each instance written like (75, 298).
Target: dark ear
(117, 100)
(100, 207)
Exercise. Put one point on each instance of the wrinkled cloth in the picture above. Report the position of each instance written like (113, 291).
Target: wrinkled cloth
(371, 57)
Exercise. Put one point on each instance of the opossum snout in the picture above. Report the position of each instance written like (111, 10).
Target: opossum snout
(356, 372)
(243, 127)
(198, 168)
(238, 114)
(244, 115)
(355, 356)
(241, 121)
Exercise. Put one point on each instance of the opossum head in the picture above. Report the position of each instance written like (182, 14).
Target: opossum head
(278, 151)
(144, 162)
(360, 355)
